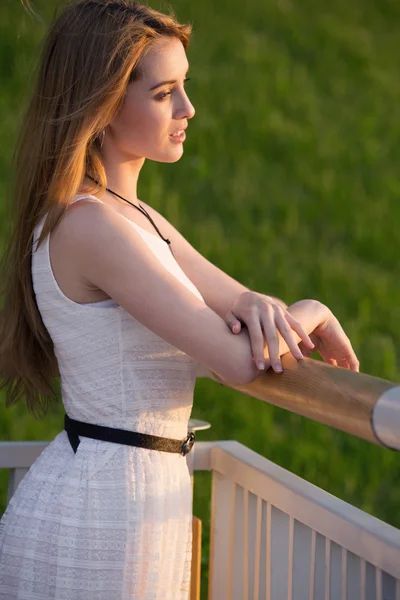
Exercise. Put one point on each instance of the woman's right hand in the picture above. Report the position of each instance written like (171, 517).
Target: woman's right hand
(325, 331)
(330, 340)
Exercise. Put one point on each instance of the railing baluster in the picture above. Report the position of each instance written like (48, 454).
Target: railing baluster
(378, 581)
(268, 570)
(327, 568)
(312, 563)
(220, 523)
(246, 544)
(14, 479)
(231, 540)
(290, 558)
(344, 574)
(257, 549)
(363, 578)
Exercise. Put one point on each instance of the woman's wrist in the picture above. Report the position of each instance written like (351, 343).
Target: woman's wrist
(312, 314)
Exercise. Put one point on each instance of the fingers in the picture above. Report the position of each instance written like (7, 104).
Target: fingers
(305, 351)
(335, 344)
(233, 322)
(286, 331)
(349, 360)
(256, 337)
(346, 363)
(353, 362)
(298, 328)
(273, 319)
(272, 339)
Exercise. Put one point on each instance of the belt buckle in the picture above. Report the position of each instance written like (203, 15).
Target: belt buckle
(188, 443)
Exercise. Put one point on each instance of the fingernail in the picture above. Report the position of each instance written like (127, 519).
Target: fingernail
(260, 365)
(278, 368)
(236, 328)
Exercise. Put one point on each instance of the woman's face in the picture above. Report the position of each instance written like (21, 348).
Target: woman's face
(155, 106)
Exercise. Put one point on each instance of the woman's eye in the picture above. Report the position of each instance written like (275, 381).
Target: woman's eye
(165, 94)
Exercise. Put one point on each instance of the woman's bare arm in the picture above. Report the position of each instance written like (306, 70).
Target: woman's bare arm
(109, 254)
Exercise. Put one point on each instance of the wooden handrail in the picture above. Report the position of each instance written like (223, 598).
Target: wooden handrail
(360, 404)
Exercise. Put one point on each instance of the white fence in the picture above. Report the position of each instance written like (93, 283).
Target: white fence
(275, 536)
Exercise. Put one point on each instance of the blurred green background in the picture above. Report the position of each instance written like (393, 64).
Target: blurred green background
(289, 182)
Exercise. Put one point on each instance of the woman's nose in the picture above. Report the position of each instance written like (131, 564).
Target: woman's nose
(191, 111)
(186, 110)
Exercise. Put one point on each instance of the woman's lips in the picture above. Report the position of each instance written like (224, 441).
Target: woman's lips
(178, 138)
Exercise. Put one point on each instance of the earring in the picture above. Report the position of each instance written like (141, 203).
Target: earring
(100, 138)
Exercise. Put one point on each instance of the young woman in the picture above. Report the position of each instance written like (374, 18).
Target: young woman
(111, 297)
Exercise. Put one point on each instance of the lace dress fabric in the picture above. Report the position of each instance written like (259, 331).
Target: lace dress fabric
(110, 522)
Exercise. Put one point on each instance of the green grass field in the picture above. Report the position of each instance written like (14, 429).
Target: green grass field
(290, 183)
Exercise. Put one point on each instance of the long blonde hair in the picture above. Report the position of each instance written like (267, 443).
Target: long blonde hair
(89, 55)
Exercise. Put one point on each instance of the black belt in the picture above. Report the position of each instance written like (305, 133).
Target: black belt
(122, 436)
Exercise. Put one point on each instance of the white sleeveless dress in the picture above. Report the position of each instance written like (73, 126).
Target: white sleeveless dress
(110, 522)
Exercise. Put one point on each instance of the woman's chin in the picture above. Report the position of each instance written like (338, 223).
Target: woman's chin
(176, 158)
(168, 156)
(172, 157)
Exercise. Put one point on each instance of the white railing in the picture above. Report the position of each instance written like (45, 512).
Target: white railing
(273, 535)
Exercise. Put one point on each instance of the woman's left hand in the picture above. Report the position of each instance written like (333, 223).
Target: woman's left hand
(263, 316)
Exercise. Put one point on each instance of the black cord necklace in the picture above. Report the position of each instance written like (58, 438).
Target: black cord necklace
(142, 210)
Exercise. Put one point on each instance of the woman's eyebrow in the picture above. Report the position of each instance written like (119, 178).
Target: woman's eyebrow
(169, 82)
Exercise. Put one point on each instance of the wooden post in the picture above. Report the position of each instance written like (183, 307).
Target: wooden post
(196, 560)
(195, 576)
